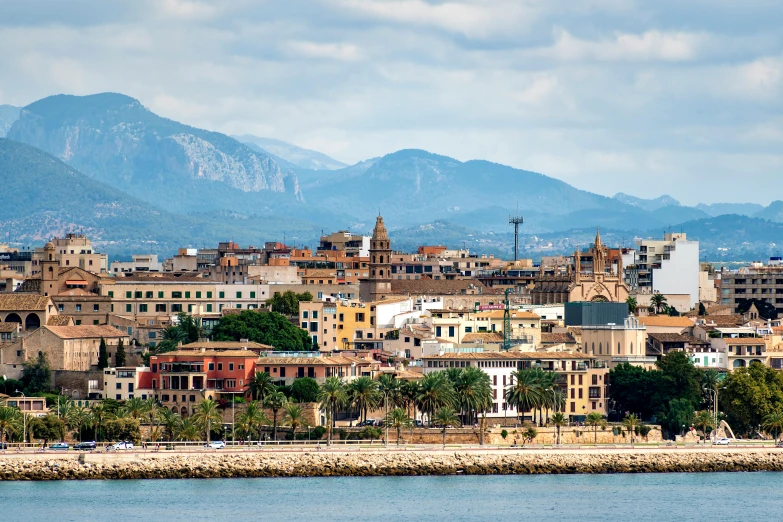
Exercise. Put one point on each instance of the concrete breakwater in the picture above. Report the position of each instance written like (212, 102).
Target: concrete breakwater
(382, 463)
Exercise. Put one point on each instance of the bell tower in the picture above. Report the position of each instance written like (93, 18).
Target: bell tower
(379, 282)
(50, 271)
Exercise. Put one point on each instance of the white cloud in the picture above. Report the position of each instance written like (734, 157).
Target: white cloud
(187, 9)
(334, 51)
(647, 46)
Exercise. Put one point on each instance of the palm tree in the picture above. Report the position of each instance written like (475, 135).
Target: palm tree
(472, 392)
(206, 414)
(64, 407)
(435, 391)
(136, 407)
(188, 430)
(169, 420)
(658, 300)
(398, 419)
(260, 386)
(152, 409)
(632, 304)
(293, 416)
(525, 392)
(704, 420)
(77, 418)
(595, 420)
(331, 395)
(444, 418)
(559, 420)
(98, 414)
(409, 390)
(252, 417)
(121, 413)
(773, 422)
(364, 394)
(275, 401)
(631, 422)
(393, 389)
(10, 420)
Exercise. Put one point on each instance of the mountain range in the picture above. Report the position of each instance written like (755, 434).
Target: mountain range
(106, 164)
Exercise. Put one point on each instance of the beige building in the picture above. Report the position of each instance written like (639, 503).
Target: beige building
(30, 311)
(618, 343)
(73, 250)
(454, 325)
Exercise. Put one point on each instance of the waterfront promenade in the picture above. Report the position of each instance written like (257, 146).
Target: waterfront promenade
(378, 461)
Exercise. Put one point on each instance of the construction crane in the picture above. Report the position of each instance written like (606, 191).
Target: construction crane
(507, 323)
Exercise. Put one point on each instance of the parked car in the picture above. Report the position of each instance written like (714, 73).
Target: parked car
(721, 442)
(59, 446)
(124, 445)
(85, 446)
(3, 446)
(216, 445)
(779, 444)
(418, 423)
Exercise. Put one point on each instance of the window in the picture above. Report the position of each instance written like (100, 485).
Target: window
(119, 385)
(61, 307)
(209, 308)
(282, 371)
(142, 308)
(160, 307)
(315, 314)
(595, 380)
(110, 293)
(198, 295)
(468, 329)
(78, 308)
(96, 308)
(239, 295)
(137, 295)
(209, 295)
(176, 308)
(220, 367)
(160, 295)
(304, 325)
(190, 308)
(231, 367)
(211, 366)
(594, 392)
(128, 295)
(187, 295)
(451, 331)
(176, 295)
(252, 295)
(221, 295)
(128, 308)
(148, 294)
(305, 314)
(78, 322)
(438, 331)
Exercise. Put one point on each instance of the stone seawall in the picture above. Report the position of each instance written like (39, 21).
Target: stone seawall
(381, 463)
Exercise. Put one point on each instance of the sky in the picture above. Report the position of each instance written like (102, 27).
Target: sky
(643, 97)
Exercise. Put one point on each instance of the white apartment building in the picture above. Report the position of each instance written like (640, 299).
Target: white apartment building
(122, 383)
(139, 263)
(668, 266)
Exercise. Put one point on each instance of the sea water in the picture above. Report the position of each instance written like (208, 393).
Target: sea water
(626, 497)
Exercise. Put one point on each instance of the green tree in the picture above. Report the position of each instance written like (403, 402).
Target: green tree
(702, 310)
(260, 386)
(529, 434)
(206, 415)
(751, 394)
(558, 421)
(103, 355)
(122, 428)
(49, 427)
(293, 416)
(704, 420)
(275, 401)
(363, 394)
(152, 410)
(136, 407)
(472, 393)
(435, 391)
(659, 301)
(398, 419)
(287, 303)
(268, 328)
(188, 430)
(632, 304)
(36, 375)
(10, 421)
(305, 389)
(631, 422)
(252, 418)
(77, 417)
(331, 395)
(169, 420)
(679, 412)
(595, 420)
(119, 356)
(444, 418)
(525, 392)
(766, 310)
(773, 422)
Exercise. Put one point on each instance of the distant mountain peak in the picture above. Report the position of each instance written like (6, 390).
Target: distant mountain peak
(291, 156)
(650, 205)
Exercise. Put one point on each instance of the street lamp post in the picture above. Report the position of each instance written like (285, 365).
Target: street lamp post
(386, 420)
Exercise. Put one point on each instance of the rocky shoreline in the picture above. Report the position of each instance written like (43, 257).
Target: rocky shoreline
(393, 463)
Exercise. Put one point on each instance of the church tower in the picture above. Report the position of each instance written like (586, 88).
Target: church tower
(50, 271)
(599, 254)
(378, 285)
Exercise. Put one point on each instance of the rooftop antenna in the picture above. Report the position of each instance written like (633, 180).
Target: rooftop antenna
(516, 220)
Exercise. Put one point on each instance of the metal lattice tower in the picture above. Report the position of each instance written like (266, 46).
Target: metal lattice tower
(516, 220)
(507, 323)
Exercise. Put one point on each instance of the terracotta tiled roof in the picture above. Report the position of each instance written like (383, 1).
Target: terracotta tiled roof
(225, 345)
(557, 338)
(23, 302)
(59, 320)
(669, 337)
(9, 327)
(335, 360)
(319, 272)
(743, 341)
(185, 277)
(486, 337)
(515, 314)
(665, 320)
(210, 353)
(725, 320)
(512, 355)
(85, 331)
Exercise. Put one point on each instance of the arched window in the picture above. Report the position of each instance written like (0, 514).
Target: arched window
(592, 349)
(631, 348)
(618, 349)
(373, 259)
(380, 273)
(600, 348)
(373, 273)
(381, 259)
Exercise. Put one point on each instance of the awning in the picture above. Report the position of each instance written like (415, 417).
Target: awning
(76, 282)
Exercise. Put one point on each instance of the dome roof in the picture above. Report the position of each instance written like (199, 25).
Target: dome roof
(49, 246)
(380, 230)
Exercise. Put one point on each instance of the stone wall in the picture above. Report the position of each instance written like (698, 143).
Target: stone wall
(228, 463)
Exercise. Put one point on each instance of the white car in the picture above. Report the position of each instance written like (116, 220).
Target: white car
(721, 442)
(124, 445)
(216, 445)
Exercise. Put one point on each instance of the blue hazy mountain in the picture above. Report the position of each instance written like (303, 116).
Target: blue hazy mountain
(8, 115)
(291, 156)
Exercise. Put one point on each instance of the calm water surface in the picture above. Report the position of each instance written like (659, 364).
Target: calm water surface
(706, 496)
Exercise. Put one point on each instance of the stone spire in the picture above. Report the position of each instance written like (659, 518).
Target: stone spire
(599, 255)
(577, 265)
(379, 232)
